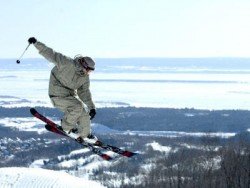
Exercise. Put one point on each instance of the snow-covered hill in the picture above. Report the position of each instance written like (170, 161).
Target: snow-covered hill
(37, 177)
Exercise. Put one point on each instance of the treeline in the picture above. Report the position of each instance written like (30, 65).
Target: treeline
(164, 119)
(225, 167)
(157, 119)
(229, 168)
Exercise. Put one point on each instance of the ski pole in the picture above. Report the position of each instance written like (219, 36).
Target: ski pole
(18, 61)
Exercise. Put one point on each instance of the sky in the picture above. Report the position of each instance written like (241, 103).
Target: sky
(127, 28)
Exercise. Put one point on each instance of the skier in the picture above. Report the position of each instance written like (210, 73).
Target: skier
(69, 91)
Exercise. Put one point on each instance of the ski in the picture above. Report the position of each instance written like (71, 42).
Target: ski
(114, 149)
(51, 126)
(98, 143)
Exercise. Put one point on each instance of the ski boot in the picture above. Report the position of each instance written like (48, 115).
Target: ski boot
(92, 139)
(73, 133)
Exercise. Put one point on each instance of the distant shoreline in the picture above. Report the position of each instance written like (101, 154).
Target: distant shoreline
(154, 119)
(24, 111)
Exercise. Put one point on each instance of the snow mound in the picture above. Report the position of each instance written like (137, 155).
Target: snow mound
(158, 147)
(37, 177)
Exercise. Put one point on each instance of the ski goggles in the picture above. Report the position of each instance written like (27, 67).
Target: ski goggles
(85, 65)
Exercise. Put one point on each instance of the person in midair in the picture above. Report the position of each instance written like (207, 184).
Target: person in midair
(69, 90)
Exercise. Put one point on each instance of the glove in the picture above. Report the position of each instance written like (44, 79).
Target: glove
(92, 113)
(32, 40)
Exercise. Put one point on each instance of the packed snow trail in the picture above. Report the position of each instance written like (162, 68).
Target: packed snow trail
(36, 177)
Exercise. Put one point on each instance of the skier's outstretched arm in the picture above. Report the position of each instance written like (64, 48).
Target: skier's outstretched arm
(48, 53)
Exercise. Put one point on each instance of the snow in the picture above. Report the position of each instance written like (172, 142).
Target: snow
(37, 177)
(201, 147)
(38, 163)
(148, 167)
(75, 152)
(217, 86)
(13, 101)
(34, 124)
(86, 164)
(76, 162)
(156, 146)
(79, 151)
(24, 124)
(213, 163)
(98, 162)
(72, 162)
(174, 134)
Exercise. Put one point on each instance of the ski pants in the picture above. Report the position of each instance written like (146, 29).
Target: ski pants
(75, 115)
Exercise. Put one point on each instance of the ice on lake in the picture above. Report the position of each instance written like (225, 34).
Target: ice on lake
(205, 83)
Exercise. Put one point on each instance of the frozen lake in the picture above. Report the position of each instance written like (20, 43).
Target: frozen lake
(201, 83)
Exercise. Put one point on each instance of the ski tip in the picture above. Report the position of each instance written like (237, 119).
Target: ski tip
(33, 111)
(106, 157)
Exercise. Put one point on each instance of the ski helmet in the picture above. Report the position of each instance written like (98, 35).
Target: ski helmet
(86, 62)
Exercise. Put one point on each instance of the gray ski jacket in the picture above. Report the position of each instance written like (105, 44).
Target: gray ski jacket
(67, 78)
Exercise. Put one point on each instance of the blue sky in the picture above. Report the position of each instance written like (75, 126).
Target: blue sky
(127, 28)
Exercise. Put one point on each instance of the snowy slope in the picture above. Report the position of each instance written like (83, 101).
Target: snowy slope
(37, 177)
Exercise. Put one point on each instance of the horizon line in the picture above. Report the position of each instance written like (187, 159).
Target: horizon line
(150, 57)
